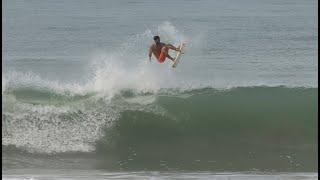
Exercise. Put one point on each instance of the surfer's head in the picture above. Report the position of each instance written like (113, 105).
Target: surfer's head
(156, 39)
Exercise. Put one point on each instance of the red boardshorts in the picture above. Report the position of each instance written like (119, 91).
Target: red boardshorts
(162, 57)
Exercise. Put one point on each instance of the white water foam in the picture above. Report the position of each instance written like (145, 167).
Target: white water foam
(50, 129)
(126, 68)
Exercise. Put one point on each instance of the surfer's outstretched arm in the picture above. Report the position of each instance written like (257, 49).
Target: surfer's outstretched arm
(170, 46)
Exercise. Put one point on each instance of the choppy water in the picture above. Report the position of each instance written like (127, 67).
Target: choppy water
(79, 93)
(62, 174)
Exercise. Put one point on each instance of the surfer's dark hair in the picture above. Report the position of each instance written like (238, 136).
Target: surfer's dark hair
(156, 37)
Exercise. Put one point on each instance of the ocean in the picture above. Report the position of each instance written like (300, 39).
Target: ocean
(80, 99)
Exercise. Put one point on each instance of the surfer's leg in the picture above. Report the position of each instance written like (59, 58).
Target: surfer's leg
(163, 54)
(165, 51)
(169, 57)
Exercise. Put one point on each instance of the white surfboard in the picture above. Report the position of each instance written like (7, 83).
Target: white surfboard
(178, 56)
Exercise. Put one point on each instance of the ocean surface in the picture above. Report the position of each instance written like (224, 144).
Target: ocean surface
(80, 99)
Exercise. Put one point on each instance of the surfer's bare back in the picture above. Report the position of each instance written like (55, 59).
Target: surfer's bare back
(160, 50)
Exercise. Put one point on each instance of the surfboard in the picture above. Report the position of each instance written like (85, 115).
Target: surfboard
(178, 55)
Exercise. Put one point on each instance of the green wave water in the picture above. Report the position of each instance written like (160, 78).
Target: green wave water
(238, 129)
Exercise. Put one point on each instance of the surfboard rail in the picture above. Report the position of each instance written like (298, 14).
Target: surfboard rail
(178, 55)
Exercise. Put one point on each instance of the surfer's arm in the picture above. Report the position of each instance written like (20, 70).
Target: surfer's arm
(170, 46)
(150, 53)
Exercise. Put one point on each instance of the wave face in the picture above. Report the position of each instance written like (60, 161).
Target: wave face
(267, 127)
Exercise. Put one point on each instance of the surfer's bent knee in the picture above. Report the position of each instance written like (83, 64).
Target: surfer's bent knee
(164, 49)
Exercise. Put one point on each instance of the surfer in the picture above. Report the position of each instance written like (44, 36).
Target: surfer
(160, 50)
